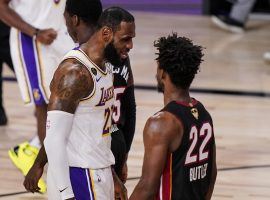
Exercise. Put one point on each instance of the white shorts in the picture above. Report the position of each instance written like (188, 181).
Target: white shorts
(87, 184)
(35, 63)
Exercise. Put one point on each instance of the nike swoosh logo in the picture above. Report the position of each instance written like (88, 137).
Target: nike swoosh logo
(97, 79)
(63, 189)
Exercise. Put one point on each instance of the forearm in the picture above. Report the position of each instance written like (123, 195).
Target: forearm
(55, 143)
(143, 192)
(130, 107)
(11, 18)
(41, 159)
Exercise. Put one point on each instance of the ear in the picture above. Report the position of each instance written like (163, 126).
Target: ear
(75, 20)
(163, 73)
(107, 34)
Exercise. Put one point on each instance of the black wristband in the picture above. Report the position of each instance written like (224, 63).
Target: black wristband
(36, 32)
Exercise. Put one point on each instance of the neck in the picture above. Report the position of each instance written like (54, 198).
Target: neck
(175, 94)
(84, 33)
(94, 48)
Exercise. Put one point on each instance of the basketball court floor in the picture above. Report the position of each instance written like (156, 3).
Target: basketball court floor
(233, 83)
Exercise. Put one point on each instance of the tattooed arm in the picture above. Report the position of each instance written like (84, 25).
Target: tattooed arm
(71, 82)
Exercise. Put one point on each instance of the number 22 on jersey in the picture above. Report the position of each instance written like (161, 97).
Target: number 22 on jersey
(206, 132)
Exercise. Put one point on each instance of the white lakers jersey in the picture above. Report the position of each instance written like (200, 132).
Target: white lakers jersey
(89, 144)
(41, 14)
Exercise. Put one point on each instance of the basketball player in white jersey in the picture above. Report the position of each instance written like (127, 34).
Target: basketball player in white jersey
(83, 149)
(38, 41)
(81, 30)
(78, 131)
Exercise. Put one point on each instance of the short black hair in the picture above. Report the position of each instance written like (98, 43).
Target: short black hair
(113, 16)
(88, 11)
(180, 58)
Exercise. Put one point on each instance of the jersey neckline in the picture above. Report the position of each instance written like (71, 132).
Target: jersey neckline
(102, 71)
(188, 104)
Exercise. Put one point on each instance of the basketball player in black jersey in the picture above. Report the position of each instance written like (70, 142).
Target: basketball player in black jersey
(124, 115)
(179, 160)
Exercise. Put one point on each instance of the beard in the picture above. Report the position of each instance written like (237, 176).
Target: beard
(111, 55)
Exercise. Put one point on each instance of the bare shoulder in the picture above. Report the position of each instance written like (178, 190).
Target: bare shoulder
(163, 126)
(72, 74)
(71, 83)
(73, 68)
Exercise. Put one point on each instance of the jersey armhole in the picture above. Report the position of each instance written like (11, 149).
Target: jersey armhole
(92, 76)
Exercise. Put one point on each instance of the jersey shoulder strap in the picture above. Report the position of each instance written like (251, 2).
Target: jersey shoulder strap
(81, 57)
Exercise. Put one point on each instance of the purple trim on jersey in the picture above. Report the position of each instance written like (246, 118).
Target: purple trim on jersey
(76, 48)
(28, 53)
(81, 183)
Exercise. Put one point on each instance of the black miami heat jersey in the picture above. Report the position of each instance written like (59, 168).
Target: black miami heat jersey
(188, 170)
(124, 115)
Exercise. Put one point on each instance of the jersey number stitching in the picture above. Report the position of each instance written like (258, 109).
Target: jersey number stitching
(118, 92)
(108, 121)
(193, 135)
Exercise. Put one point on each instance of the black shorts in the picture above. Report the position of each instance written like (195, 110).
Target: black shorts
(118, 147)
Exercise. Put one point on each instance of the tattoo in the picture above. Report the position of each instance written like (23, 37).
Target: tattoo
(72, 82)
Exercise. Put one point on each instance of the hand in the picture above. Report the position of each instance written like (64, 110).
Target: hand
(46, 36)
(120, 191)
(124, 173)
(31, 179)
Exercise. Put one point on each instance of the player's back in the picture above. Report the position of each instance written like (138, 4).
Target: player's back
(188, 170)
(90, 140)
(41, 14)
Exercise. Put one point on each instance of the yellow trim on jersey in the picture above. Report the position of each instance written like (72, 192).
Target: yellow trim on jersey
(106, 134)
(41, 69)
(23, 69)
(99, 69)
(93, 92)
(93, 183)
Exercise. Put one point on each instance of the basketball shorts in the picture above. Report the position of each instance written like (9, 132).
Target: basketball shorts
(87, 184)
(118, 147)
(35, 63)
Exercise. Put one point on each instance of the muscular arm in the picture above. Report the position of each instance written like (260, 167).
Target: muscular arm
(162, 135)
(71, 83)
(11, 18)
(129, 105)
